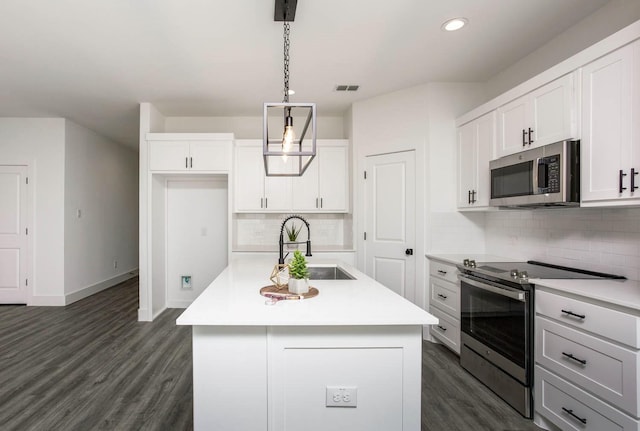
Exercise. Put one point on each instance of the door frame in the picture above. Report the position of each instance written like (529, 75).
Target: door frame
(29, 254)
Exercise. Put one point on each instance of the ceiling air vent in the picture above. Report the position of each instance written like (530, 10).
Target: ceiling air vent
(347, 87)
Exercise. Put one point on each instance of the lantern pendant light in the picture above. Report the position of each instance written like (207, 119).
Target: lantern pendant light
(286, 153)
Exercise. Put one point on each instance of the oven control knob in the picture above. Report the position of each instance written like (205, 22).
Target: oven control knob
(465, 262)
(514, 273)
(523, 275)
(472, 263)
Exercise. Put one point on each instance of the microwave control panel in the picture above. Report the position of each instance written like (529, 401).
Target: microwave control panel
(549, 174)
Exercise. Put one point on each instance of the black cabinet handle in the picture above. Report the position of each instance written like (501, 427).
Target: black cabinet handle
(186, 162)
(621, 175)
(321, 203)
(442, 328)
(316, 202)
(191, 162)
(633, 179)
(571, 313)
(266, 205)
(409, 252)
(570, 356)
(261, 202)
(442, 296)
(530, 135)
(524, 137)
(469, 196)
(442, 272)
(584, 421)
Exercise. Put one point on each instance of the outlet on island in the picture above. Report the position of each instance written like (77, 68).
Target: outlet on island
(342, 396)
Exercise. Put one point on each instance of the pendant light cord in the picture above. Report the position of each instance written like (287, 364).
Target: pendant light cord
(286, 62)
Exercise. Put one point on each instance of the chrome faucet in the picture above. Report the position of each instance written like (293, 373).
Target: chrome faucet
(282, 255)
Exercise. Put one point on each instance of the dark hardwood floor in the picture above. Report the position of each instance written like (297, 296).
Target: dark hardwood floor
(92, 366)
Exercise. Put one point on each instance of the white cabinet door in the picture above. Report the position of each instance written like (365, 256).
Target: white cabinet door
(306, 196)
(249, 179)
(609, 96)
(209, 156)
(554, 112)
(542, 117)
(277, 193)
(513, 134)
(476, 141)
(168, 155)
(467, 138)
(333, 178)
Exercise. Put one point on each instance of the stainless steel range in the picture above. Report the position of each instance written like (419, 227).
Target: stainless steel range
(497, 313)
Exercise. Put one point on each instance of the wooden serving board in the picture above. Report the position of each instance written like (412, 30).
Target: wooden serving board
(285, 294)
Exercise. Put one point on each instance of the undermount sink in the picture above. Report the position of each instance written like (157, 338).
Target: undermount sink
(328, 272)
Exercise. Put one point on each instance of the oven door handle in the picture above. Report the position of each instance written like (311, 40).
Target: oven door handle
(513, 294)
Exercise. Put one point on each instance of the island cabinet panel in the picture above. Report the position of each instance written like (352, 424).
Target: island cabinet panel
(232, 358)
(382, 363)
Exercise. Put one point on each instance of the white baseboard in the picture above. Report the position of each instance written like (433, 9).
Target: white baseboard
(46, 301)
(95, 288)
(178, 304)
(143, 315)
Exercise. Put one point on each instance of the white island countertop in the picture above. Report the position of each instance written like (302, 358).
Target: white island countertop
(233, 299)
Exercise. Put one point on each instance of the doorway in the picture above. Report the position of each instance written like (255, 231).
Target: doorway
(13, 234)
(390, 211)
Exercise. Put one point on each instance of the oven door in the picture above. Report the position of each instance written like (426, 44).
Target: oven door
(495, 323)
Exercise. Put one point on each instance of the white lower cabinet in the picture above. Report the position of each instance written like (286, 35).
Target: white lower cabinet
(444, 301)
(587, 363)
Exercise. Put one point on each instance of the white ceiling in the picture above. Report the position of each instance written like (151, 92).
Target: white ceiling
(94, 61)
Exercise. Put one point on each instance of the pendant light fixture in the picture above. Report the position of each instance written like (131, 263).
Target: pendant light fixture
(286, 153)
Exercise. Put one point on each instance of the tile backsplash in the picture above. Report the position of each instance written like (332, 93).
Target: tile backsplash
(263, 230)
(606, 240)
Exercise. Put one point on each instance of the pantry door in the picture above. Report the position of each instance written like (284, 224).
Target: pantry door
(13, 235)
(390, 206)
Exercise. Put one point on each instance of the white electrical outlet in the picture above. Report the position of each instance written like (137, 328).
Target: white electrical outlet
(342, 396)
(115, 264)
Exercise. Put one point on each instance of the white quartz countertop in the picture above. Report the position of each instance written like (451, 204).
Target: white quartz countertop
(233, 299)
(456, 259)
(622, 293)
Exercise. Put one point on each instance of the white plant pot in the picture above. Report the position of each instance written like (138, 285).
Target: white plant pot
(298, 286)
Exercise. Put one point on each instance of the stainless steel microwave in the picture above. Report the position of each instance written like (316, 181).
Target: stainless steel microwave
(546, 176)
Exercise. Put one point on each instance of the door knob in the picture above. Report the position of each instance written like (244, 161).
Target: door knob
(409, 252)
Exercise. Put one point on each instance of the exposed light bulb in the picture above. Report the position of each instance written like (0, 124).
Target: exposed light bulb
(287, 137)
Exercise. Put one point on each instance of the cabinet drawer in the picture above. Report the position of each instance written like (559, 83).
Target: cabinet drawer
(447, 330)
(556, 400)
(602, 368)
(613, 324)
(446, 296)
(444, 270)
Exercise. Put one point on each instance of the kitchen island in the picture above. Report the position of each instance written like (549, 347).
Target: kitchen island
(357, 345)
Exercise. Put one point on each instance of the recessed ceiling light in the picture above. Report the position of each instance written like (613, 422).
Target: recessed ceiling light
(454, 24)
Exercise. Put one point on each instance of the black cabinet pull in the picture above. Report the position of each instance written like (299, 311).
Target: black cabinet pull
(633, 179)
(191, 162)
(316, 202)
(469, 196)
(530, 135)
(524, 137)
(584, 421)
(442, 328)
(186, 162)
(261, 202)
(570, 356)
(571, 313)
(621, 175)
(321, 203)
(442, 272)
(442, 296)
(266, 205)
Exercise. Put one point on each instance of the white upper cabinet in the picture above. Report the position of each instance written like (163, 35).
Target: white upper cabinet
(255, 192)
(187, 155)
(610, 144)
(324, 187)
(543, 116)
(476, 141)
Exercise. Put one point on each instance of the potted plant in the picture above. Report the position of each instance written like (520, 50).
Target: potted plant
(292, 235)
(298, 274)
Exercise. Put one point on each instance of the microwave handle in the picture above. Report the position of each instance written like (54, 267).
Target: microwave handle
(513, 294)
(542, 175)
(534, 176)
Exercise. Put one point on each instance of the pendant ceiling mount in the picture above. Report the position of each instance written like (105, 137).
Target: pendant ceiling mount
(287, 154)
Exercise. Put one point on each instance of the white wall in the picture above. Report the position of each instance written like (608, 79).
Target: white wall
(607, 20)
(39, 143)
(197, 231)
(606, 240)
(101, 184)
(422, 119)
(248, 127)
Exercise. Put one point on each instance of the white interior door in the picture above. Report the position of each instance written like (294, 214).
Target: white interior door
(13, 236)
(390, 202)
